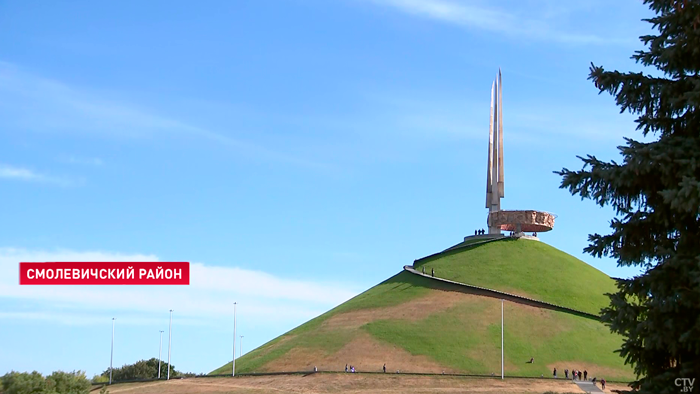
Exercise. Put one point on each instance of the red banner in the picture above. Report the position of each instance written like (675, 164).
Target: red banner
(105, 273)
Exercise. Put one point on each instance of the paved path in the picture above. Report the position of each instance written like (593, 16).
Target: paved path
(588, 387)
(504, 295)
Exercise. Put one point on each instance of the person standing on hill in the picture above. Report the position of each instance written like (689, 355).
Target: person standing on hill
(432, 272)
(554, 373)
(384, 368)
(585, 374)
(566, 373)
(346, 368)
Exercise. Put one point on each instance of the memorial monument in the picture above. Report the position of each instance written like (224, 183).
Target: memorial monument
(518, 221)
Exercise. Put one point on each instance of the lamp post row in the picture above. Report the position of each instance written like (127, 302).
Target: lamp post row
(233, 363)
(160, 348)
(170, 340)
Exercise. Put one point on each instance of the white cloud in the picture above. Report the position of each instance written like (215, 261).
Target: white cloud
(209, 296)
(82, 319)
(31, 102)
(18, 173)
(471, 14)
(577, 122)
(24, 174)
(427, 115)
(92, 161)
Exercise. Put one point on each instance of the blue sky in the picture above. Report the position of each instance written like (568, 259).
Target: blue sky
(296, 152)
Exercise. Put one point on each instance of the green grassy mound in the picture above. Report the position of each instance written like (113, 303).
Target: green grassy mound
(528, 268)
(416, 324)
(396, 290)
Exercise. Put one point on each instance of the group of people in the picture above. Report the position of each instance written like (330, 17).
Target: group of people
(480, 232)
(578, 375)
(575, 374)
(351, 369)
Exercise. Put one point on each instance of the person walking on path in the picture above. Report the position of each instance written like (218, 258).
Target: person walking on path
(602, 383)
(555, 373)
(579, 375)
(432, 272)
(585, 374)
(384, 368)
(346, 368)
(423, 270)
(566, 373)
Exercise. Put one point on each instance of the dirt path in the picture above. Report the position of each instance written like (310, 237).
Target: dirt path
(348, 383)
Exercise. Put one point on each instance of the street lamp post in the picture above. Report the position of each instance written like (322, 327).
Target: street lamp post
(160, 349)
(233, 367)
(111, 356)
(170, 340)
(240, 352)
(502, 339)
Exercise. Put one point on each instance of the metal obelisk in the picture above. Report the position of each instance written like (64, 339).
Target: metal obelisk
(494, 176)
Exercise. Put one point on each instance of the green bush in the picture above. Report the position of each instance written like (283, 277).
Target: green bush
(142, 369)
(100, 379)
(58, 382)
(68, 382)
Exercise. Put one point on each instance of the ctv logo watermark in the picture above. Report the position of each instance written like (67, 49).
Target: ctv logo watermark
(686, 384)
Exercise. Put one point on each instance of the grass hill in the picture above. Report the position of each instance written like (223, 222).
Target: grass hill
(528, 268)
(417, 324)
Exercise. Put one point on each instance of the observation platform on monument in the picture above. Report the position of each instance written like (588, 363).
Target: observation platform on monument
(527, 221)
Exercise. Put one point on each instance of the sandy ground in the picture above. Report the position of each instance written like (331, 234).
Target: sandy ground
(367, 353)
(364, 353)
(322, 383)
(416, 309)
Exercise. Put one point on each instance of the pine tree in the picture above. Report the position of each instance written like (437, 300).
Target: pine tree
(655, 192)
